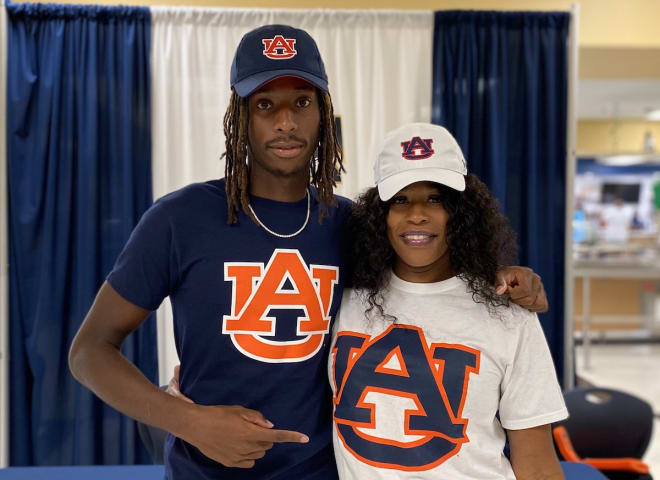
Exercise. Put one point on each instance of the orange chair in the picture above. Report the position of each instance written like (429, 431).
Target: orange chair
(607, 429)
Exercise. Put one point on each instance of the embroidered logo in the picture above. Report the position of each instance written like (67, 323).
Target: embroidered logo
(279, 48)
(417, 148)
(399, 402)
(258, 291)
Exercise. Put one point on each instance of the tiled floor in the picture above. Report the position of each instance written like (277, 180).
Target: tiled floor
(634, 369)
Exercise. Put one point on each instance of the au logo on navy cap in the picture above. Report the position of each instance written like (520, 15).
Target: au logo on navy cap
(279, 48)
(294, 49)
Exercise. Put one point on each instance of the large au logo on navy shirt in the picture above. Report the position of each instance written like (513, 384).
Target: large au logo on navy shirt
(397, 368)
(258, 290)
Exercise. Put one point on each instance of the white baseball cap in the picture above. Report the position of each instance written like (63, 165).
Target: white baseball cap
(419, 152)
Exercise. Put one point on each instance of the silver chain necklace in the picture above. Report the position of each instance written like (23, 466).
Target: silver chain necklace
(279, 234)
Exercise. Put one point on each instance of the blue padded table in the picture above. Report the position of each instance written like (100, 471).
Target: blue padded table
(581, 471)
(157, 472)
(100, 472)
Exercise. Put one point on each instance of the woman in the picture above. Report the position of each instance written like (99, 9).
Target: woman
(431, 370)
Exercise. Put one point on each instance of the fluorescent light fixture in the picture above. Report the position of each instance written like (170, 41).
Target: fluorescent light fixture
(624, 160)
(653, 115)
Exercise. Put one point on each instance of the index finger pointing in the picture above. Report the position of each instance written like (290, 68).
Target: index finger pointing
(281, 436)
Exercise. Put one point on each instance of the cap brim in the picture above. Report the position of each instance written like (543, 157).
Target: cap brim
(248, 85)
(388, 187)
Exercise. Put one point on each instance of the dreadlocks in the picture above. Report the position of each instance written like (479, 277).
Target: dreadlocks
(322, 167)
(236, 169)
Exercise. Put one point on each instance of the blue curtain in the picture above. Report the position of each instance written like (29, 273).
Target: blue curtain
(500, 86)
(79, 177)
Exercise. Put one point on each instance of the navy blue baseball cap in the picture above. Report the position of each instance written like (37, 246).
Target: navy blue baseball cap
(273, 51)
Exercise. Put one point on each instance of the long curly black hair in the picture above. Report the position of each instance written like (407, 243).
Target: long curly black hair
(479, 237)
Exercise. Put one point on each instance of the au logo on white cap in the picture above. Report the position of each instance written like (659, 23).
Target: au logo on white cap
(279, 48)
(417, 148)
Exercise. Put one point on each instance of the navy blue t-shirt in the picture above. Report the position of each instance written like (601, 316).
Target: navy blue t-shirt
(252, 315)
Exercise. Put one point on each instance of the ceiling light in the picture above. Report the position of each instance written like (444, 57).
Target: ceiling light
(622, 160)
(653, 115)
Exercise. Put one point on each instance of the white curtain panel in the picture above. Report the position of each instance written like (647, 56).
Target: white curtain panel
(379, 65)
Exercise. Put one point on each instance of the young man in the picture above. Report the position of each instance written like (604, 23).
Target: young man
(254, 265)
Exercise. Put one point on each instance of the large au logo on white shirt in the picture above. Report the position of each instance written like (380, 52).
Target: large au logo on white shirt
(423, 387)
(256, 290)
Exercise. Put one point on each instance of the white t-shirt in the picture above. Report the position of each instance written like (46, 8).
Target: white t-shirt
(618, 219)
(419, 398)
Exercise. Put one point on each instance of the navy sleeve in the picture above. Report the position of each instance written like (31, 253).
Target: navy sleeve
(145, 272)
